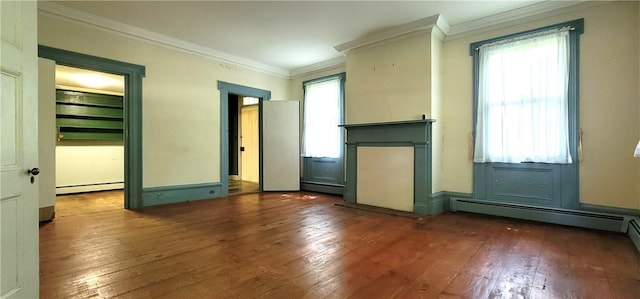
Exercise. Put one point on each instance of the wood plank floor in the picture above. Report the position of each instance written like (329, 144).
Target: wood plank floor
(301, 245)
(89, 202)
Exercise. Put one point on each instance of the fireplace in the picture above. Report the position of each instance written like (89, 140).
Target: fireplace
(389, 165)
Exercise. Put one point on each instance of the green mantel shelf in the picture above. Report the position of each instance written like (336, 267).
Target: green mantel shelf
(404, 122)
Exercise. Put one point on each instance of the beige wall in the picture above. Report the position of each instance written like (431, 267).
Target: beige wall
(181, 111)
(609, 104)
(437, 137)
(389, 82)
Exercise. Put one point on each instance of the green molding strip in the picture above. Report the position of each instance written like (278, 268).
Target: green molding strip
(181, 193)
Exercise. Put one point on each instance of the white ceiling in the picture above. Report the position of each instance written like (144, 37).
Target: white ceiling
(285, 35)
(86, 80)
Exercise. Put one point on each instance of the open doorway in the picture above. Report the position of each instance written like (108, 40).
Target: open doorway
(132, 124)
(244, 144)
(89, 150)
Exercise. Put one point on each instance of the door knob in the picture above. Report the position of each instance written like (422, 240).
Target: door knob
(33, 171)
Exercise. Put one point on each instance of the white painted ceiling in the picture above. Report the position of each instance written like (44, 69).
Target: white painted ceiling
(286, 35)
(86, 80)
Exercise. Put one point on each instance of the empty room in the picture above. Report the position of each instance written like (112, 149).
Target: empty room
(321, 149)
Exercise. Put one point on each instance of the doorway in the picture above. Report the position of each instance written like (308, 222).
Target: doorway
(89, 150)
(132, 111)
(230, 132)
(244, 144)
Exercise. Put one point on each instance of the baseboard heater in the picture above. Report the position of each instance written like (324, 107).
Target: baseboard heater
(634, 232)
(586, 219)
(322, 187)
(68, 189)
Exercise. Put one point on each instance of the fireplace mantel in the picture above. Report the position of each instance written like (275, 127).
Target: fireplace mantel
(415, 134)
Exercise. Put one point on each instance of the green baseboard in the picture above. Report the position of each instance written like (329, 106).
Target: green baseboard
(180, 193)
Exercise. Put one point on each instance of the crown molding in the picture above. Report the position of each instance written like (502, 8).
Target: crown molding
(409, 29)
(517, 16)
(66, 13)
(320, 66)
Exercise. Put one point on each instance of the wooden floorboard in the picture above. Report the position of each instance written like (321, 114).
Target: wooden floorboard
(302, 245)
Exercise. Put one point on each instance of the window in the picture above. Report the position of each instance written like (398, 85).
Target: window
(322, 115)
(523, 98)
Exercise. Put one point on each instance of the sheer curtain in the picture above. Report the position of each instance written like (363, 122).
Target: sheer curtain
(522, 113)
(321, 119)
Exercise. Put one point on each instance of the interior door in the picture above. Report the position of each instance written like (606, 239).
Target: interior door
(280, 146)
(250, 144)
(19, 150)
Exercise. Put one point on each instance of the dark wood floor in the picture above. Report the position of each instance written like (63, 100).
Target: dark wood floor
(301, 245)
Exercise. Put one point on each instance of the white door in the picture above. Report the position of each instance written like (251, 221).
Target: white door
(47, 135)
(19, 150)
(250, 143)
(281, 146)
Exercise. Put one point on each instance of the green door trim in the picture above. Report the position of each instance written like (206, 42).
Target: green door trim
(225, 89)
(133, 75)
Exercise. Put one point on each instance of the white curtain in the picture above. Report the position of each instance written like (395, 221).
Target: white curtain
(321, 119)
(522, 113)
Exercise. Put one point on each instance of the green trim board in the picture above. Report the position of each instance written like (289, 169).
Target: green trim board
(180, 193)
(225, 89)
(415, 133)
(132, 104)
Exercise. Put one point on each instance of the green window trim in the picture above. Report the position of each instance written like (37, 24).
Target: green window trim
(89, 116)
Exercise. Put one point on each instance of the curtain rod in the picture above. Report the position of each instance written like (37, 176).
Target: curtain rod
(527, 36)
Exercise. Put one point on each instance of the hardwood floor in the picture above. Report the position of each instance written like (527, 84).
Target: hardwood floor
(301, 245)
(241, 187)
(89, 202)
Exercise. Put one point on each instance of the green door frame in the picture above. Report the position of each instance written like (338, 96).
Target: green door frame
(132, 111)
(226, 89)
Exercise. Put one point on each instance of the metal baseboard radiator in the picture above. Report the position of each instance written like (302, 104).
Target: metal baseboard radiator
(586, 219)
(634, 232)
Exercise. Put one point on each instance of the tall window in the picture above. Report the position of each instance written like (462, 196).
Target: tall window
(523, 99)
(322, 115)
